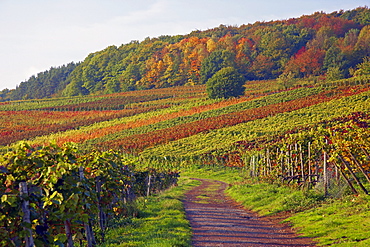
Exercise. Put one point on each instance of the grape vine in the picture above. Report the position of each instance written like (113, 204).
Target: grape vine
(68, 194)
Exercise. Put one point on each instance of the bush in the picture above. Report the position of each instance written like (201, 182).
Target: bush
(226, 83)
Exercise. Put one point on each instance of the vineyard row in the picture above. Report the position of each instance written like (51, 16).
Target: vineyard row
(320, 157)
(139, 142)
(227, 138)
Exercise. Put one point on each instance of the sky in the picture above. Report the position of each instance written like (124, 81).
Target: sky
(39, 34)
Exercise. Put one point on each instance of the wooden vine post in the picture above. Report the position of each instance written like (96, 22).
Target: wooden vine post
(88, 229)
(302, 163)
(296, 158)
(353, 174)
(347, 180)
(268, 161)
(282, 165)
(251, 171)
(309, 162)
(325, 173)
(149, 183)
(359, 166)
(23, 191)
(287, 162)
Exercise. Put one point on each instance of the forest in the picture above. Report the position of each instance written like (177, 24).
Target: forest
(331, 46)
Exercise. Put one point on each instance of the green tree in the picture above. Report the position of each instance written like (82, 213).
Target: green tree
(363, 68)
(333, 57)
(214, 62)
(225, 83)
(334, 73)
(44, 84)
(129, 77)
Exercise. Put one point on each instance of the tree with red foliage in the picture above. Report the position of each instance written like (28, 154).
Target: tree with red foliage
(306, 62)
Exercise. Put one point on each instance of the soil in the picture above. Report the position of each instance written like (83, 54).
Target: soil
(217, 220)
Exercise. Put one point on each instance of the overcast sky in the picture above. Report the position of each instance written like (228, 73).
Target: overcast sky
(38, 34)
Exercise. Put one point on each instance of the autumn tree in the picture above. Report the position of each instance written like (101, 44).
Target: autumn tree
(306, 63)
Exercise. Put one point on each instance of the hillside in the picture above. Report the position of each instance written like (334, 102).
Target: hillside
(328, 45)
(182, 121)
(306, 134)
(181, 124)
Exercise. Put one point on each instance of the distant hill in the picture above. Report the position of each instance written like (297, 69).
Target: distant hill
(326, 45)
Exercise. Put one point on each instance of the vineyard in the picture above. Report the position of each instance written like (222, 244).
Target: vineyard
(71, 166)
(320, 155)
(52, 195)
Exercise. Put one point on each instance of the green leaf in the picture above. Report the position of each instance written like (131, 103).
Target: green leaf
(10, 199)
(4, 198)
(47, 203)
(53, 195)
(60, 239)
(85, 217)
(47, 192)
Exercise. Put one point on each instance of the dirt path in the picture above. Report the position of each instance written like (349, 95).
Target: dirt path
(219, 221)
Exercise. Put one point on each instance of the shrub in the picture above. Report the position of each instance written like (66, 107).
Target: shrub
(226, 83)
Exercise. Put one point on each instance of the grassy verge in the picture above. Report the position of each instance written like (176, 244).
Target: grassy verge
(270, 199)
(161, 221)
(344, 222)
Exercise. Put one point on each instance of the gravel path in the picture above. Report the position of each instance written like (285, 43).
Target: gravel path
(219, 221)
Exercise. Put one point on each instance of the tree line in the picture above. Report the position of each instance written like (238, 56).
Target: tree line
(332, 45)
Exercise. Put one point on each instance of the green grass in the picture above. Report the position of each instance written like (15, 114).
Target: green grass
(269, 199)
(344, 222)
(161, 221)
